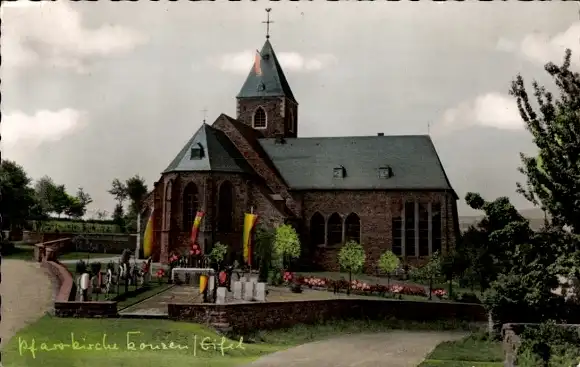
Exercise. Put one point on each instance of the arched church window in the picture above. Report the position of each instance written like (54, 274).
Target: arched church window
(259, 118)
(291, 121)
(167, 214)
(317, 229)
(190, 205)
(226, 207)
(334, 230)
(352, 230)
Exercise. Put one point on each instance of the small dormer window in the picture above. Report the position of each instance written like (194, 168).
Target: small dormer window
(385, 172)
(338, 172)
(196, 152)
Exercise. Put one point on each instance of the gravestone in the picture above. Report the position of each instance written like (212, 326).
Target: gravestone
(221, 296)
(211, 283)
(248, 291)
(260, 292)
(238, 289)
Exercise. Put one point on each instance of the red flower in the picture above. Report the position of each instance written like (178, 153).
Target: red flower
(222, 277)
(160, 273)
(288, 276)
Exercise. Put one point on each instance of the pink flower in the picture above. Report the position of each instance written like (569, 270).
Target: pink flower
(197, 252)
(191, 252)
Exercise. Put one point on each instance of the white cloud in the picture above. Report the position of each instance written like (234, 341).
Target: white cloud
(490, 110)
(241, 62)
(543, 48)
(22, 132)
(52, 33)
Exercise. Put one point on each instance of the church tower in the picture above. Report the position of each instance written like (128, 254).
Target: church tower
(266, 102)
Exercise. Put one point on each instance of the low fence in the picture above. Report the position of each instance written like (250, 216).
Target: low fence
(244, 318)
(49, 251)
(91, 242)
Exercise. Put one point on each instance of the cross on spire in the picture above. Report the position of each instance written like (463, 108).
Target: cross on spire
(204, 114)
(267, 22)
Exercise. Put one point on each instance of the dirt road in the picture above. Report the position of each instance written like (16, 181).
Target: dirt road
(393, 349)
(27, 293)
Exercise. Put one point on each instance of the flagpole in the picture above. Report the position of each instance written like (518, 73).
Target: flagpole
(250, 246)
(138, 247)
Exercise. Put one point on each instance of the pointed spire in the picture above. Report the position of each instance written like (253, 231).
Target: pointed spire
(266, 78)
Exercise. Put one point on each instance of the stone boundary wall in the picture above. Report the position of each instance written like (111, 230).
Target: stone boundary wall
(49, 251)
(272, 315)
(63, 278)
(64, 300)
(86, 309)
(510, 334)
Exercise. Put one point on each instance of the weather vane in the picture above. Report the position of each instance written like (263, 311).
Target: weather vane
(267, 22)
(204, 114)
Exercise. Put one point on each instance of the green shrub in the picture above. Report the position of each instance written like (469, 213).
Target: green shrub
(549, 345)
(467, 297)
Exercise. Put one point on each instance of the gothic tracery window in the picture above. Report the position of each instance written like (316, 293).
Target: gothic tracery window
(352, 228)
(167, 216)
(334, 229)
(226, 207)
(317, 229)
(259, 118)
(190, 205)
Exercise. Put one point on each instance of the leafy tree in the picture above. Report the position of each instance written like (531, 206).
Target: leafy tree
(136, 192)
(489, 247)
(388, 263)
(78, 205)
(352, 259)
(75, 209)
(119, 216)
(45, 189)
(18, 197)
(553, 177)
(217, 255)
(60, 200)
(119, 191)
(430, 272)
(286, 244)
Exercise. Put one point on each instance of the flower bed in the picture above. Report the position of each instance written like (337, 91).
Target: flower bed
(362, 288)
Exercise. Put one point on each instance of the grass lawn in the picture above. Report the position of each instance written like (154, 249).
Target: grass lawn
(52, 330)
(475, 350)
(21, 251)
(154, 289)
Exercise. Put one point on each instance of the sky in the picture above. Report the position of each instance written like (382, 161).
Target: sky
(94, 91)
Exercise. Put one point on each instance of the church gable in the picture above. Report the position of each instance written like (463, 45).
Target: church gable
(208, 150)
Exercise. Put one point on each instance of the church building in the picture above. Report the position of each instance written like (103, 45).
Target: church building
(385, 192)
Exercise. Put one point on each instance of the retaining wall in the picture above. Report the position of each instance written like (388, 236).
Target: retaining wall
(271, 315)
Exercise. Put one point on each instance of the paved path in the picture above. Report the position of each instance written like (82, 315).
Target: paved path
(392, 349)
(27, 293)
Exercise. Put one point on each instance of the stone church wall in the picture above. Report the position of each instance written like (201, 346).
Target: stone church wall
(375, 212)
(173, 237)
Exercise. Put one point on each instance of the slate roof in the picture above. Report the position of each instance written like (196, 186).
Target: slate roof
(219, 154)
(272, 78)
(308, 163)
